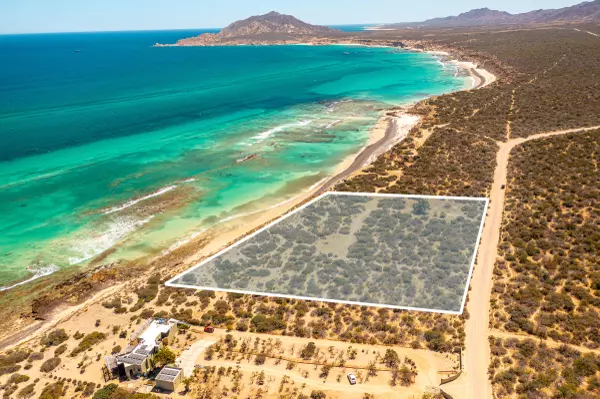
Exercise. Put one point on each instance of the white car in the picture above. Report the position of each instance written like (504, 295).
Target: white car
(351, 378)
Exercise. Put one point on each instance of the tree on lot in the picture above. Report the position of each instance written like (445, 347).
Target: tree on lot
(309, 351)
(391, 358)
(421, 207)
(163, 357)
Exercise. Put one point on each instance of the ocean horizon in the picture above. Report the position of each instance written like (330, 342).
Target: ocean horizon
(111, 146)
(188, 31)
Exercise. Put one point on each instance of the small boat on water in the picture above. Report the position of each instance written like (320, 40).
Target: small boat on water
(76, 51)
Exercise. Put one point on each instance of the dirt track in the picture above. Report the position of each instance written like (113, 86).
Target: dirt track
(474, 382)
(428, 364)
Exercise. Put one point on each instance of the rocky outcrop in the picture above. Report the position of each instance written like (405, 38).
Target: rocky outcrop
(271, 27)
(272, 22)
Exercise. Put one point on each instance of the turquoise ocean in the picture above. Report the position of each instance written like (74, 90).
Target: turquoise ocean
(111, 147)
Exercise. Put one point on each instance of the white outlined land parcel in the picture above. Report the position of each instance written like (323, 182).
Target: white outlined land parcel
(399, 251)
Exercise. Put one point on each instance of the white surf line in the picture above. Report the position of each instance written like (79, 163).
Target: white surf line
(137, 200)
(116, 232)
(185, 241)
(261, 136)
(41, 272)
(182, 242)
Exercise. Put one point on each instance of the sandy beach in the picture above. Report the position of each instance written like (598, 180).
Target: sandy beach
(481, 77)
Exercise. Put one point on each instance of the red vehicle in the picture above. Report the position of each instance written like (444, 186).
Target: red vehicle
(209, 329)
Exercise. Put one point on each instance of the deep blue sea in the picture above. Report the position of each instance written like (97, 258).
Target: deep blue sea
(110, 144)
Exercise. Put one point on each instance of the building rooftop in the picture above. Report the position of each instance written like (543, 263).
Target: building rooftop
(148, 341)
(156, 329)
(133, 358)
(168, 373)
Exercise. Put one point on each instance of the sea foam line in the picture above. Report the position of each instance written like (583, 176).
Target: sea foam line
(267, 133)
(96, 245)
(187, 240)
(182, 242)
(140, 199)
(41, 272)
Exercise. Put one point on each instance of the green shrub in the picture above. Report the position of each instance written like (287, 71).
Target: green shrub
(163, 357)
(262, 323)
(50, 364)
(34, 356)
(88, 341)
(112, 391)
(60, 350)
(27, 392)
(53, 391)
(9, 369)
(17, 378)
(54, 338)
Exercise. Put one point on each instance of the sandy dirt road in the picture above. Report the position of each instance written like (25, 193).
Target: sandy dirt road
(474, 382)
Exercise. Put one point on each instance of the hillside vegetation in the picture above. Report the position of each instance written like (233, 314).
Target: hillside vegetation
(547, 281)
(549, 81)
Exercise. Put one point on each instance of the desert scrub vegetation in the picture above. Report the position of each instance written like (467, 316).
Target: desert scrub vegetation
(547, 281)
(50, 364)
(53, 391)
(88, 341)
(212, 382)
(542, 65)
(536, 92)
(351, 323)
(399, 371)
(26, 392)
(54, 338)
(113, 391)
(400, 251)
(453, 160)
(9, 362)
(530, 369)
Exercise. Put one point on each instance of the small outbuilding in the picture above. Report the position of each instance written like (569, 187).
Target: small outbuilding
(169, 378)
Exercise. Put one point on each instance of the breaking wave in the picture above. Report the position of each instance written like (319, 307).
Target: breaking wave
(95, 245)
(38, 273)
(140, 199)
(266, 134)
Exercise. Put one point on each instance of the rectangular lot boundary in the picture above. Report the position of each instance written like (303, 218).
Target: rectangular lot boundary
(171, 282)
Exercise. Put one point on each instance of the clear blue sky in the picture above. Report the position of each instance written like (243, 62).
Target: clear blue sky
(25, 16)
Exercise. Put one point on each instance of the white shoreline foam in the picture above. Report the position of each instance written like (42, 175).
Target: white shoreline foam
(140, 199)
(182, 242)
(267, 133)
(111, 237)
(39, 273)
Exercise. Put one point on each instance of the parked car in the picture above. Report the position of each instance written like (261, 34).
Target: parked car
(209, 329)
(351, 378)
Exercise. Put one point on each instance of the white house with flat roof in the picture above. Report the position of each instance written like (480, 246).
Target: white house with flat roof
(138, 361)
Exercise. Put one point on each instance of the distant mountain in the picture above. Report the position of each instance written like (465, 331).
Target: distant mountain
(583, 12)
(261, 29)
(480, 16)
(272, 22)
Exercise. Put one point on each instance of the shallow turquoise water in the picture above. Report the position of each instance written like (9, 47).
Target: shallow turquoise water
(125, 144)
